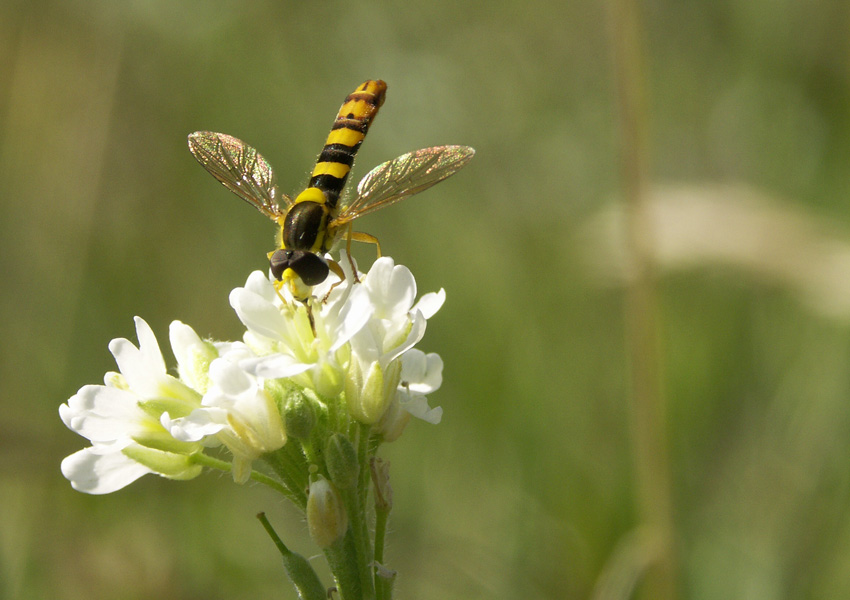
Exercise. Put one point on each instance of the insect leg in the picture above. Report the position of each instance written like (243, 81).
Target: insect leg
(359, 236)
(337, 270)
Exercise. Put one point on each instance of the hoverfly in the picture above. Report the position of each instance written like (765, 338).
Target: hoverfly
(311, 224)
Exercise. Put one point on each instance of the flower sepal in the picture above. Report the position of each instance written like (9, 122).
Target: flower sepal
(162, 440)
(176, 406)
(167, 464)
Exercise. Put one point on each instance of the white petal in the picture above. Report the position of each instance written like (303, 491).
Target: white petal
(143, 366)
(380, 272)
(392, 288)
(417, 405)
(102, 414)
(94, 473)
(353, 316)
(417, 331)
(258, 313)
(259, 283)
(149, 346)
(422, 373)
(230, 379)
(401, 290)
(183, 338)
(202, 422)
(193, 355)
(234, 351)
(273, 366)
(430, 303)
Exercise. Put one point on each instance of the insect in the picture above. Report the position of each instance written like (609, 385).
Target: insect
(316, 219)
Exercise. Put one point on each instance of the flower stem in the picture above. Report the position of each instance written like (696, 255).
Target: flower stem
(355, 503)
(652, 465)
(342, 559)
(307, 583)
(221, 465)
(383, 584)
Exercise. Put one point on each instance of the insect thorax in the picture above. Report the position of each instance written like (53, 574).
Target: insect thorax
(305, 227)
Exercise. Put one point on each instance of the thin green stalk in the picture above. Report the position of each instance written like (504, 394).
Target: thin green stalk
(221, 465)
(649, 419)
(359, 529)
(381, 518)
(301, 574)
(383, 584)
(383, 494)
(355, 501)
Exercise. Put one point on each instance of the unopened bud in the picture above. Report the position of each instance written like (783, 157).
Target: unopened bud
(299, 416)
(326, 516)
(341, 461)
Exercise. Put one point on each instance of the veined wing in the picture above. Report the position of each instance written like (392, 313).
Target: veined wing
(404, 176)
(240, 168)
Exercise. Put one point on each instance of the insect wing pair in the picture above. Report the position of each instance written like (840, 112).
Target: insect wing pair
(244, 171)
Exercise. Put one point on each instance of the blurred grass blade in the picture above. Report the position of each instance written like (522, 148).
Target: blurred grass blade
(733, 226)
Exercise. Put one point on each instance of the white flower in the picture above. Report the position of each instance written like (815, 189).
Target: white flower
(353, 342)
(350, 349)
(121, 419)
(397, 324)
(281, 334)
(237, 412)
(193, 355)
(420, 374)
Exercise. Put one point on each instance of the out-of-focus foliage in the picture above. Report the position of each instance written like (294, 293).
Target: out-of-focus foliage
(526, 489)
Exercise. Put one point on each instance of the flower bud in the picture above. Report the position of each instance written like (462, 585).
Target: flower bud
(298, 414)
(364, 392)
(341, 461)
(393, 422)
(326, 516)
(193, 354)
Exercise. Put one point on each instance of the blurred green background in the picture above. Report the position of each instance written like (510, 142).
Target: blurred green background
(527, 488)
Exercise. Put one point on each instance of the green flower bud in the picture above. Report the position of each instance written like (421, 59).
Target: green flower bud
(327, 520)
(341, 461)
(299, 417)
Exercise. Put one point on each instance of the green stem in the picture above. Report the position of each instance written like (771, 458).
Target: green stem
(381, 518)
(383, 582)
(356, 543)
(342, 559)
(652, 464)
(301, 574)
(359, 530)
(222, 465)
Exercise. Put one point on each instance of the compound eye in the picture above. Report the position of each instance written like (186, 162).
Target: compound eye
(311, 268)
(280, 261)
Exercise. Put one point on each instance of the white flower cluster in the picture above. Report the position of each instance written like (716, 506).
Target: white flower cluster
(352, 347)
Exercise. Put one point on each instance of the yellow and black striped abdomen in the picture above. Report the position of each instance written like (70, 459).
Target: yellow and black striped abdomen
(349, 128)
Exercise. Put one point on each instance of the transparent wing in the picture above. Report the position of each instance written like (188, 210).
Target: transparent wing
(404, 176)
(240, 168)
